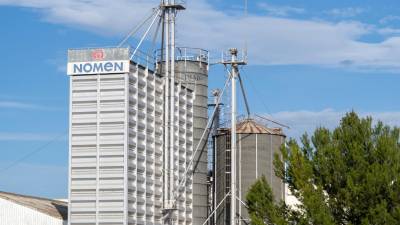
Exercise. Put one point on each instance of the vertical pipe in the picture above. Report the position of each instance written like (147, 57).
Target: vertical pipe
(233, 138)
(172, 122)
(216, 94)
(283, 184)
(240, 177)
(166, 111)
(215, 179)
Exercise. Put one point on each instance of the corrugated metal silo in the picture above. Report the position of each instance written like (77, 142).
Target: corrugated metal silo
(191, 69)
(256, 146)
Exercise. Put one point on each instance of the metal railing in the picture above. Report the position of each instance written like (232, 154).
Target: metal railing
(143, 59)
(185, 54)
(226, 57)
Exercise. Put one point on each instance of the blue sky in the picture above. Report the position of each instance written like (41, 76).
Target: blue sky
(309, 63)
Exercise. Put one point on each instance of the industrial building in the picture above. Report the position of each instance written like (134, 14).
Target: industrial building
(257, 145)
(118, 165)
(18, 209)
(139, 126)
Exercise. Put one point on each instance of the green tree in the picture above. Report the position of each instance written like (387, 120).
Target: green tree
(261, 207)
(348, 176)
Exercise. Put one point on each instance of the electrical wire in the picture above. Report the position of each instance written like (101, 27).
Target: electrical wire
(34, 152)
(265, 106)
(260, 99)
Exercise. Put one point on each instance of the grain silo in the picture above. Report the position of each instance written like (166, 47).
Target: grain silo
(191, 69)
(116, 140)
(256, 146)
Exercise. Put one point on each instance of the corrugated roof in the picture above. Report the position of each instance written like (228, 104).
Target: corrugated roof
(249, 126)
(53, 208)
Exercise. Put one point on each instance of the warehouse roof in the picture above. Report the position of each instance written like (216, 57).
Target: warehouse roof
(53, 208)
(249, 126)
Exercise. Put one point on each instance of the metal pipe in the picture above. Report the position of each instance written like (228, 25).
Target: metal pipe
(215, 178)
(172, 122)
(145, 34)
(209, 124)
(233, 137)
(213, 212)
(278, 123)
(166, 112)
(244, 96)
(137, 28)
(240, 200)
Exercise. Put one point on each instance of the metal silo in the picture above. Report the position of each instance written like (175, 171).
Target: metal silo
(116, 140)
(191, 69)
(256, 146)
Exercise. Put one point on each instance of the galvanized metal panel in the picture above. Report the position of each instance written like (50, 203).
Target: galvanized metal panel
(116, 146)
(255, 158)
(13, 213)
(194, 75)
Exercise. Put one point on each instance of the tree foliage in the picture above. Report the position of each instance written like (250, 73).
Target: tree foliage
(260, 203)
(348, 176)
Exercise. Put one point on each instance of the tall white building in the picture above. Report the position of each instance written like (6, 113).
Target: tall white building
(116, 170)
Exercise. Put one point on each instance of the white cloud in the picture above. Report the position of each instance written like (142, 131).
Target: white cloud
(346, 12)
(307, 121)
(275, 10)
(101, 16)
(8, 136)
(389, 31)
(271, 40)
(22, 106)
(388, 19)
(16, 105)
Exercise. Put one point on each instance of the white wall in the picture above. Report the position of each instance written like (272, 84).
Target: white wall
(14, 214)
(290, 199)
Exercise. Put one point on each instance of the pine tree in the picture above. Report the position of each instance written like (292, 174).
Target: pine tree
(348, 176)
(260, 203)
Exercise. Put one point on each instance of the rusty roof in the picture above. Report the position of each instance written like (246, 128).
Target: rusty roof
(249, 126)
(53, 208)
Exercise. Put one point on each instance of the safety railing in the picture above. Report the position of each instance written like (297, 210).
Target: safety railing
(185, 54)
(143, 59)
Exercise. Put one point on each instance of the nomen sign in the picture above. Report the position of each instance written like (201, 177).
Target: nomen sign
(98, 67)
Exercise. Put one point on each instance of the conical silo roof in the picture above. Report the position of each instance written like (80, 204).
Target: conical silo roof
(249, 126)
